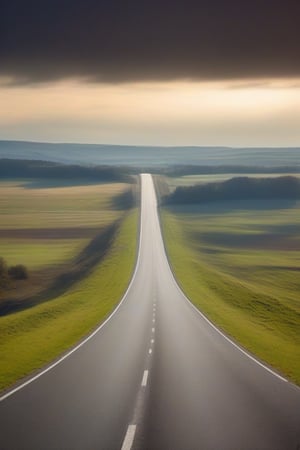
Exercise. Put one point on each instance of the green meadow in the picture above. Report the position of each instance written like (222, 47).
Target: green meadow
(46, 225)
(82, 206)
(239, 263)
(35, 336)
(79, 245)
(40, 253)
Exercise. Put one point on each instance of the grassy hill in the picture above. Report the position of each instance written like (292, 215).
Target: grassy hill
(146, 156)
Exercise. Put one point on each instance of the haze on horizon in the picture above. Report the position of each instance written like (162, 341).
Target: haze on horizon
(151, 73)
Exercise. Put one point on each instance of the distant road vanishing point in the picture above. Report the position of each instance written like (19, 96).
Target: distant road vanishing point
(157, 375)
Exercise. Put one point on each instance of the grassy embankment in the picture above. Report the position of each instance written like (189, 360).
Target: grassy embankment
(34, 336)
(239, 264)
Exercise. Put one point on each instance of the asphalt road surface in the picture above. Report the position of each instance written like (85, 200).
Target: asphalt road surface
(157, 375)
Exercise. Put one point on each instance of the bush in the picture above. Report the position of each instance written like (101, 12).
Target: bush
(18, 272)
(3, 273)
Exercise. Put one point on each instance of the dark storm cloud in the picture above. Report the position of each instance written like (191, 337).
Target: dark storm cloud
(123, 40)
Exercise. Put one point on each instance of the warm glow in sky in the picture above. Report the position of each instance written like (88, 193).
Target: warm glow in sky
(237, 113)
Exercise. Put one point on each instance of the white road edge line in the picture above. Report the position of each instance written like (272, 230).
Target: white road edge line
(145, 378)
(129, 437)
(21, 386)
(224, 335)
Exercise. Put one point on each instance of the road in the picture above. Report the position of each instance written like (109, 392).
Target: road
(157, 375)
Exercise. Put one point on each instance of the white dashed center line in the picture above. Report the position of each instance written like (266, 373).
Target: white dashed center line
(152, 341)
(128, 441)
(145, 378)
(150, 351)
(153, 329)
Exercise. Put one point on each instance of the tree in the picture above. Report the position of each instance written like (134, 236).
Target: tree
(4, 278)
(18, 272)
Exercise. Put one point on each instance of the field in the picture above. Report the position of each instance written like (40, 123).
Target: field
(27, 205)
(239, 262)
(79, 245)
(46, 225)
(35, 336)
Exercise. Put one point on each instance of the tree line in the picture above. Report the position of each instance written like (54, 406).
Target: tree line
(181, 170)
(238, 188)
(16, 168)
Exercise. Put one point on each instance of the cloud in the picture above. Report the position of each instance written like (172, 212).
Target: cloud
(169, 113)
(117, 40)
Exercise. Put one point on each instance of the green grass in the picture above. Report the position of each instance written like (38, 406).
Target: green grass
(49, 225)
(33, 337)
(241, 268)
(40, 253)
(59, 207)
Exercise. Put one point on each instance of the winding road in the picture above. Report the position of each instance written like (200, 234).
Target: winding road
(156, 375)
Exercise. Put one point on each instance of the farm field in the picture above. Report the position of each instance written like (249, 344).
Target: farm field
(34, 336)
(73, 239)
(239, 263)
(46, 225)
(86, 206)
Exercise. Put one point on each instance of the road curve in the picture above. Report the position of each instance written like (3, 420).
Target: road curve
(157, 375)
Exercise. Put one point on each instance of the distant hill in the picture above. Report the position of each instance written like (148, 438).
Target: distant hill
(143, 156)
(238, 188)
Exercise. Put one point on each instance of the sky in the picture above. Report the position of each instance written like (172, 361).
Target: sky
(217, 72)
